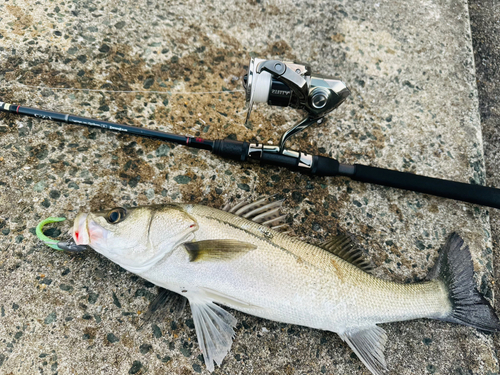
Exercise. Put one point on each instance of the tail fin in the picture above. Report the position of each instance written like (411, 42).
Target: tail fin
(454, 268)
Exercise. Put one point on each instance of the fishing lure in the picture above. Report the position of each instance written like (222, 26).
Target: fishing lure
(54, 244)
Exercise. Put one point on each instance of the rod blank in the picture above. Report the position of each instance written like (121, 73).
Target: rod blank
(321, 166)
(78, 120)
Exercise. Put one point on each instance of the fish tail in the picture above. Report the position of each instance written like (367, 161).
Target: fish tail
(455, 269)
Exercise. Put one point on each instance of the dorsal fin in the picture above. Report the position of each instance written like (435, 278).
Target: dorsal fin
(265, 211)
(344, 247)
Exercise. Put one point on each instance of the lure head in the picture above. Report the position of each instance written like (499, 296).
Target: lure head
(135, 238)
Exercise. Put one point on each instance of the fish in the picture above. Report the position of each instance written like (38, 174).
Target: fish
(235, 258)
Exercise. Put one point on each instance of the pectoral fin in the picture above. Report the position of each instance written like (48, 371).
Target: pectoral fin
(214, 330)
(217, 249)
(368, 344)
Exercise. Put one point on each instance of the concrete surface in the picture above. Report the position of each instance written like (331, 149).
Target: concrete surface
(485, 26)
(414, 108)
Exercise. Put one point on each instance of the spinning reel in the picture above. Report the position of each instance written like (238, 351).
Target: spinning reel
(288, 84)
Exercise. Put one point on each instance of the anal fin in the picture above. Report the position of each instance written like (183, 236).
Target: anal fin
(214, 330)
(368, 344)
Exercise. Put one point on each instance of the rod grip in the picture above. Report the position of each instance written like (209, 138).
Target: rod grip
(324, 166)
(279, 160)
(228, 148)
(476, 194)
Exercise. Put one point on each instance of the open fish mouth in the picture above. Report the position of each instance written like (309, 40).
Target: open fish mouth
(87, 232)
(81, 234)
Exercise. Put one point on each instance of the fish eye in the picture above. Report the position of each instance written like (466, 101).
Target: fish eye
(116, 215)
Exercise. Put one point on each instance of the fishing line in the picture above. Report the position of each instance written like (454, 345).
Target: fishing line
(287, 84)
(170, 93)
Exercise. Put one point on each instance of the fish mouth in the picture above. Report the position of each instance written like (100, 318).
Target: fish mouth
(80, 230)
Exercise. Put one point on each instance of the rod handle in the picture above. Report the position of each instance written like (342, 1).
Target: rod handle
(228, 148)
(279, 160)
(476, 194)
(324, 166)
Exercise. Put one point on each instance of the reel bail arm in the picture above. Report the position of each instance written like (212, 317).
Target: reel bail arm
(324, 95)
(298, 127)
(292, 79)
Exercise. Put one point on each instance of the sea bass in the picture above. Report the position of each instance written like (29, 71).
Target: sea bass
(214, 257)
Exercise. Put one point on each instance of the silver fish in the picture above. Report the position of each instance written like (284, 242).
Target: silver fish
(213, 257)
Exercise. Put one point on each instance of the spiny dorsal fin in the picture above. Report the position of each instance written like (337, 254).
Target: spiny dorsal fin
(217, 249)
(344, 247)
(265, 211)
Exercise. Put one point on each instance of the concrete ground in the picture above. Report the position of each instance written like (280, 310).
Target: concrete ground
(485, 26)
(414, 107)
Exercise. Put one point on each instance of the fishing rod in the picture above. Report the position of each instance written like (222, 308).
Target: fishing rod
(288, 84)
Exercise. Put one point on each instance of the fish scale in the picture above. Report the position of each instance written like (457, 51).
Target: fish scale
(212, 256)
(307, 267)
